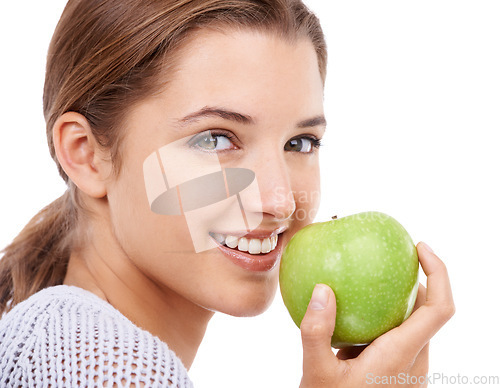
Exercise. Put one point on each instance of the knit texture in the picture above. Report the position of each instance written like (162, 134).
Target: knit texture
(65, 336)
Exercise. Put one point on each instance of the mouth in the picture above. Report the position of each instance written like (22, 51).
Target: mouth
(254, 246)
(249, 252)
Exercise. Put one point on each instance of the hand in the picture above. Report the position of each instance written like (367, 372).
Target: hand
(402, 351)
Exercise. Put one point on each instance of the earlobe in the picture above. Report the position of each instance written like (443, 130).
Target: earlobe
(78, 154)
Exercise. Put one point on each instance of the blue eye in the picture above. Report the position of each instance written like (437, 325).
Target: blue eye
(211, 141)
(304, 144)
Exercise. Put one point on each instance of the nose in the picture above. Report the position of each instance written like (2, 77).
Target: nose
(276, 197)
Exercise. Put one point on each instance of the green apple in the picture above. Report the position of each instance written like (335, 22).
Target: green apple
(370, 262)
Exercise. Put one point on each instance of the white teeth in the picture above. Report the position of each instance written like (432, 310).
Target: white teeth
(243, 244)
(266, 245)
(253, 246)
(232, 241)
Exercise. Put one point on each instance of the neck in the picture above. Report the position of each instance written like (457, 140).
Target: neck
(104, 269)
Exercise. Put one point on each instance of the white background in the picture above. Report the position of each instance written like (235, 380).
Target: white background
(412, 102)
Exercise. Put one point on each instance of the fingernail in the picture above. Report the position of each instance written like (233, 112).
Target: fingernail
(427, 247)
(319, 298)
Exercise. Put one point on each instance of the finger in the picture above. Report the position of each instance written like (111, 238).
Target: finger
(438, 282)
(317, 328)
(411, 336)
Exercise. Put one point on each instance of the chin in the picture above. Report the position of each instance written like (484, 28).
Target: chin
(248, 309)
(250, 302)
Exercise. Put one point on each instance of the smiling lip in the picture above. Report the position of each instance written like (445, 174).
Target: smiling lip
(260, 234)
(259, 263)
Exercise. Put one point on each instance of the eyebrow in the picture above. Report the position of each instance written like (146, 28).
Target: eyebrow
(241, 118)
(314, 122)
(225, 114)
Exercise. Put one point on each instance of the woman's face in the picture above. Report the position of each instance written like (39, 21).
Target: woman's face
(261, 98)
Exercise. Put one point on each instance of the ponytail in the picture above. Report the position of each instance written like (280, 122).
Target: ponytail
(38, 257)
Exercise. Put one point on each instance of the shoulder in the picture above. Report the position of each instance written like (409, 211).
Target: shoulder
(65, 334)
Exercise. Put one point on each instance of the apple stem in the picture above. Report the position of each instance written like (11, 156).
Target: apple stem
(334, 217)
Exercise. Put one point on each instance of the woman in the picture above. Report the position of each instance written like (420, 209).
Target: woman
(155, 109)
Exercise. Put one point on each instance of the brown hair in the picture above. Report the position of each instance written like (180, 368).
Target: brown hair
(104, 57)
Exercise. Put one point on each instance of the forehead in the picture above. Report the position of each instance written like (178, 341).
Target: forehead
(242, 65)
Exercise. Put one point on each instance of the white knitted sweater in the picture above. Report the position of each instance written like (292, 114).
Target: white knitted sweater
(65, 336)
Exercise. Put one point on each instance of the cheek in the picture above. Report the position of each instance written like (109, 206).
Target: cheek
(142, 234)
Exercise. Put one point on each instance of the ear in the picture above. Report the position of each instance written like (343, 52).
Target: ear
(79, 155)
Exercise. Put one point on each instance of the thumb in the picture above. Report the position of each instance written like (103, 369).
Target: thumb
(317, 329)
